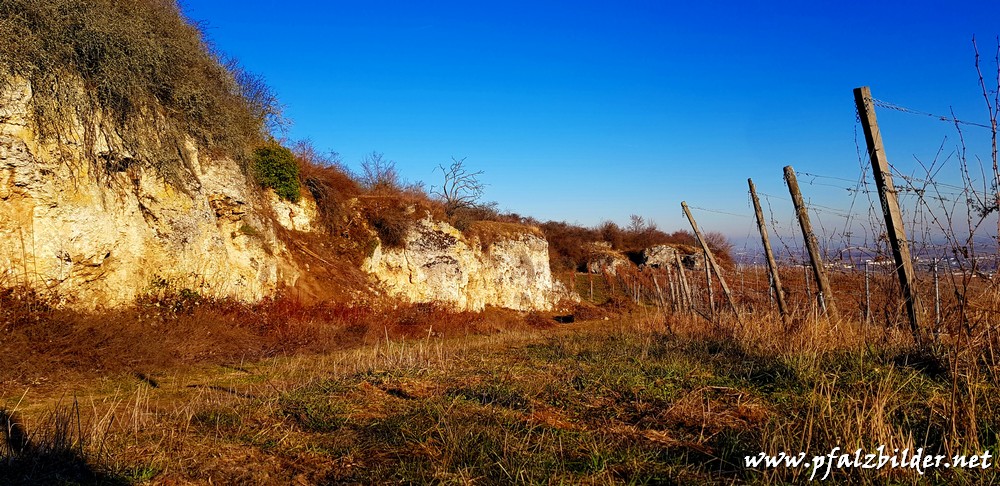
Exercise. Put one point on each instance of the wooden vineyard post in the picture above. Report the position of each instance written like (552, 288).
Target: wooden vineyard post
(825, 293)
(711, 260)
(890, 208)
(674, 294)
(772, 265)
(661, 303)
(708, 285)
(685, 289)
(937, 301)
(868, 295)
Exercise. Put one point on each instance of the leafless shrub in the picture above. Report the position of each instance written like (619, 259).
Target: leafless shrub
(391, 219)
(378, 174)
(461, 188)
(329, 183)
(992, 109)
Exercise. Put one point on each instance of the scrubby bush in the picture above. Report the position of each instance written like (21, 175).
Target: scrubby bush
(137, 70)
(464, 218)
(391, 219)
(329, 183)
(569, 244)
(275, 168)
(612, 233)
(379, 174)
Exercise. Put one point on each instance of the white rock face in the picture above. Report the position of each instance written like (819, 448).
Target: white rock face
(437, 264)
(659, 256)
(103, 242)
(606, 262)
(300, 216)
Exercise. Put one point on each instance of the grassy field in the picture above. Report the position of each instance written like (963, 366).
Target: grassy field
(637, 398)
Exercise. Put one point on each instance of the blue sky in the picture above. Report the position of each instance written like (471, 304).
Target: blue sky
(585, 111)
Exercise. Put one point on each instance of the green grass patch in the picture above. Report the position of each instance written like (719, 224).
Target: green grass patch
(315, 408)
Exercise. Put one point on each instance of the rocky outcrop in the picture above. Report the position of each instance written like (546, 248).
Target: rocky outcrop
(297, 216)
(693, 261)
(437, 263)
(83, 219)
(602, 259)
(607, 262)
(660, 256)
(99, 235)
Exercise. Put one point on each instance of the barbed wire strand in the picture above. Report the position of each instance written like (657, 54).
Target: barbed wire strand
(948, 119)
(720, 212)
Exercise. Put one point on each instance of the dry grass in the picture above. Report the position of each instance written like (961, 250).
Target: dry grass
(424, 395)
(42, 341)
(489, 232)
(287, 393)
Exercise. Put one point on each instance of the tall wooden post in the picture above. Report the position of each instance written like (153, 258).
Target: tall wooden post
(890, 208)
(811, 245)
(711, 260)
(772, 265)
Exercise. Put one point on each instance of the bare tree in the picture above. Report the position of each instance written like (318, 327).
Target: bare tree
(462, 188)
(719, 244)
(379, 173)
(637, 224)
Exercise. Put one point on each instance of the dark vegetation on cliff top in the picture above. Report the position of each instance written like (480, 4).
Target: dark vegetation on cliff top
(139, 69)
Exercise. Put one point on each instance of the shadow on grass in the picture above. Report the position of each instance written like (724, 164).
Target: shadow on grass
(53, 455)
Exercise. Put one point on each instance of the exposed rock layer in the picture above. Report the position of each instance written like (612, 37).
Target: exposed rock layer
(103, 234)
(438, 264)
(82, 218)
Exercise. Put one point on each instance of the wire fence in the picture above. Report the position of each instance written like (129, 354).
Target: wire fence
(949, 208)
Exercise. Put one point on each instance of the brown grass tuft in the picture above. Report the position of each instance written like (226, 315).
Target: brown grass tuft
(490, 232)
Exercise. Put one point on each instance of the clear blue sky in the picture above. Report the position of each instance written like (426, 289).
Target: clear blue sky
(585, 111)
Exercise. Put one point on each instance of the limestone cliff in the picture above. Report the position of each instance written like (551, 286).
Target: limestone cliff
(85, 220)
(101, 235)
(437, 263)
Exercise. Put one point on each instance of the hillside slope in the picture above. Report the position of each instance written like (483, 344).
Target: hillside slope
(131, 164)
